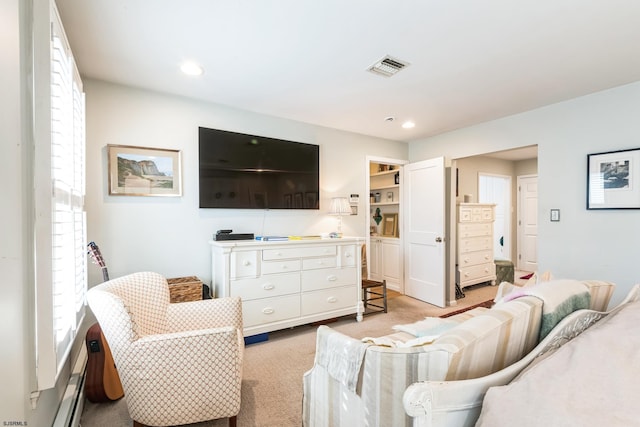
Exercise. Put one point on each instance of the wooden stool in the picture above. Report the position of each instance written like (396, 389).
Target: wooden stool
(372, 291)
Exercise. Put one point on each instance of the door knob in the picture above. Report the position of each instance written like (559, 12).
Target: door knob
(438, 239)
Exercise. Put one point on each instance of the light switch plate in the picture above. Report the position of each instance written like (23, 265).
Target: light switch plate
(555, 215)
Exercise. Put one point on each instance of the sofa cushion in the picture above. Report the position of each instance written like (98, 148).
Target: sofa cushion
(410, 336)
(601, 293)
(429, 326)
(492, 340)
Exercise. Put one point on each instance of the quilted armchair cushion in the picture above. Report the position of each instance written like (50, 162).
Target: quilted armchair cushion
(145, 297)
(178, 363)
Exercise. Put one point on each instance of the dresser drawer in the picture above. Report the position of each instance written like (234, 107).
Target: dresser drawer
(244, 264)
(475, 229)
(329, 300)
(328, 278)
(273, 267)
(263, 287)
(477, 272)
(475, 258)
(313, 263)
(486, 214)
(348, 256)
(268, 310)
(288, 253)
(475, 214)
(464, 214)
(473, 244)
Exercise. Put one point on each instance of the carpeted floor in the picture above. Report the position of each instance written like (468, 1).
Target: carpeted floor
(272, 377)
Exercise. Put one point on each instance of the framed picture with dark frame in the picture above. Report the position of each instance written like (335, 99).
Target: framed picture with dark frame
(144, 171)
(613, 180)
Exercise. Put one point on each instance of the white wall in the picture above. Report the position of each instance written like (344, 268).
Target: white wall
(24, 29)
(585, 244)
(13, 223)
(170, 235)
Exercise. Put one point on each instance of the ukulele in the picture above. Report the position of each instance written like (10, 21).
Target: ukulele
(102, 381)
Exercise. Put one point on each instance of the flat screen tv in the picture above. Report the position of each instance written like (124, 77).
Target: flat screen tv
(241, 171)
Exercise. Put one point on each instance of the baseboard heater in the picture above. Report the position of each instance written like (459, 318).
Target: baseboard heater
(72, 404)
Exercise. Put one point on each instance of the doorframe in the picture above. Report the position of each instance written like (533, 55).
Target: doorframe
(451, 228)
(367, 206)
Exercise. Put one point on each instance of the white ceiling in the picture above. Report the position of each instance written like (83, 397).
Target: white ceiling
(306, 60)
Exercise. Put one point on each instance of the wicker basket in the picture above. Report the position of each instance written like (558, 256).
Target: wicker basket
(183, 289)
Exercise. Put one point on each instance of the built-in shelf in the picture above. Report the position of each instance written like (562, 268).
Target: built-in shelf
(385, 172)
(384, 203)
(386, 187)
(378, 236)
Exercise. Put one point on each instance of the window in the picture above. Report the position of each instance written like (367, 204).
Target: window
(61, 280)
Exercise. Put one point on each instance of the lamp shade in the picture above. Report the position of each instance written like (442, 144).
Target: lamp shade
(340, 206)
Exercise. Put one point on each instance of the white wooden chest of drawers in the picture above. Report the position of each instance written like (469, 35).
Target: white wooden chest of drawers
(474, 254)
(289, 283)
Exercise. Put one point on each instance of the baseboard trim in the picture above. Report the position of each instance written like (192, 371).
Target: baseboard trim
(72, 404)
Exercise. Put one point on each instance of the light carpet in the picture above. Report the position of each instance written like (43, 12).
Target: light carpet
(272, 377)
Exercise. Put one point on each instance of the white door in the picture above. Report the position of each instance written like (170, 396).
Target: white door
(528, 223)
(497, 189)
(424, 220)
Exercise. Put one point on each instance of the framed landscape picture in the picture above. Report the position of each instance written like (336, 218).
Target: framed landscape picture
(613, 180)
(143, 171)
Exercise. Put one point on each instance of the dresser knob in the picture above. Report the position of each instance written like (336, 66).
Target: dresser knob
(332, 278)
(332, 300)
(268, 310)
(246, 263)
(267, 286)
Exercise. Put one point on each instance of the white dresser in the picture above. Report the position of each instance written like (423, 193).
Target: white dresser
(289, 283)
(475, 244)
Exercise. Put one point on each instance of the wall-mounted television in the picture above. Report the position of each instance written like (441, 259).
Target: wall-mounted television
(241, 171)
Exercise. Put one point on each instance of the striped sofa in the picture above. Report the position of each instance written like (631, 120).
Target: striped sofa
(484, 341)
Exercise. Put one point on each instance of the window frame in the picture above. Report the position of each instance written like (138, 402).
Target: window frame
(62, 134)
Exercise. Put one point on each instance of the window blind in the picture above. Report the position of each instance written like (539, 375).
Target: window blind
(61, 292)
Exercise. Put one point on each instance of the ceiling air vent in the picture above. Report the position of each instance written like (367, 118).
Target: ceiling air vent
(387, 66)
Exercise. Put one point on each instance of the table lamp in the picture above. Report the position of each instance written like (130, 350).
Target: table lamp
(340, 206)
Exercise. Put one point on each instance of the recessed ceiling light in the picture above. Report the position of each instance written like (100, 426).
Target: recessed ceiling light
(191, 69)
(408, 125)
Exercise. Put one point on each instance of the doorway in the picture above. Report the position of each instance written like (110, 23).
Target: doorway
(509, 163)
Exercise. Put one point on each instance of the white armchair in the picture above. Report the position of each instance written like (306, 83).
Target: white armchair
(178, 363)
